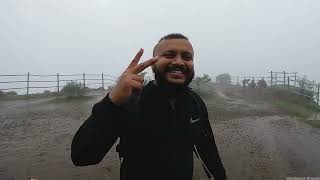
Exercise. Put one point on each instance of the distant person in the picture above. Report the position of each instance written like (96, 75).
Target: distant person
(262, 83)
(245, 82)
(252, 84)
(160, 125)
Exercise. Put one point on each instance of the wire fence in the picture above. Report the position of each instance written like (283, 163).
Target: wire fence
(54, 82)
(289, 80)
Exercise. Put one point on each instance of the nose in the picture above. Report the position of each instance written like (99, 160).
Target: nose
(178, 60)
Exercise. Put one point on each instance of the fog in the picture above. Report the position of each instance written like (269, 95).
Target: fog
(260, 134)
(245, 38)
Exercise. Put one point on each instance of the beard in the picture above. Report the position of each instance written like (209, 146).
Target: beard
(168, 87)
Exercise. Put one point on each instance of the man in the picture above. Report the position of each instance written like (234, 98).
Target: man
(159, 125)
(252, 84)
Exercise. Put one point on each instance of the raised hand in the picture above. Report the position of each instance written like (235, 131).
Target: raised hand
(130, 80)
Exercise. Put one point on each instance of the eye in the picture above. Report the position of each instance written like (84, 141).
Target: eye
(169, 55)
(187, 57)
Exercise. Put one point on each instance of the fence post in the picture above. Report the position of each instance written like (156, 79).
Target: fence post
(271, 79)
(288, 82)
(284, 78)
(295, 79)
(318, 94)
(102, 79)
(276, 78)
(58, 83)
(84, 80)
(28, 79)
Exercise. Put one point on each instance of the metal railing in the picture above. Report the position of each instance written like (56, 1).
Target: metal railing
(45, 81)
(290, 80)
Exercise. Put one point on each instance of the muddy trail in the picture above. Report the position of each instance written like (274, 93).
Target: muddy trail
(255, 140)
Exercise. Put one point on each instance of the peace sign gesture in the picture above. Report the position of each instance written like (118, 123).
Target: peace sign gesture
(130, 80)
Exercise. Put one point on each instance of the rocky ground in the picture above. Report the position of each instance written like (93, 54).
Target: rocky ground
(255, 140)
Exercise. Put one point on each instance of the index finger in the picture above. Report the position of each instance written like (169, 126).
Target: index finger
(136, 59)
(142, 66)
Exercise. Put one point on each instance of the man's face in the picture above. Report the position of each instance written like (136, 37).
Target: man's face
(175, 65)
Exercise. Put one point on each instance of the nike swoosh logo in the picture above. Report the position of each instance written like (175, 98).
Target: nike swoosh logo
(194, 120)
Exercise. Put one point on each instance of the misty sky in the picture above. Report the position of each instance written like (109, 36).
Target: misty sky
(242, 37)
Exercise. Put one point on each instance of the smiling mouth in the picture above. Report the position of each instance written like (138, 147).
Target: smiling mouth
(176, 70)
(176, 74)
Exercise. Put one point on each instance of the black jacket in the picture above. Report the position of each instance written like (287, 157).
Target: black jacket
(158, 136)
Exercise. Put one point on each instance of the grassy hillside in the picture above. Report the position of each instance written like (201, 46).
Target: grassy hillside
(296, 105)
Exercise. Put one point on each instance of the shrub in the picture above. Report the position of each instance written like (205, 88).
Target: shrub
(199, 81)
(11, 93)
(73, 89)
(224, 78)
(46, 92)
(307, 87)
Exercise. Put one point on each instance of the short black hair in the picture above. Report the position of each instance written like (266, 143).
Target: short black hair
(171, 36)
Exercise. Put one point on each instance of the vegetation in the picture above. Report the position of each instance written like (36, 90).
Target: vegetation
(147, 79)
(73, 89)
(295, 104)
(224, 78)
(305, 83)
(306, 87)
(46, 92)
(200, 85)
(294, 109)
(11, 93)
(199, 81)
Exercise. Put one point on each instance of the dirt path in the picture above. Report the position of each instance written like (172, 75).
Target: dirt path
(264, 143)
(35, 140)
(255, 140)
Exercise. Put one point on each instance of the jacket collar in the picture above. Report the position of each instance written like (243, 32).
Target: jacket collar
(152, 89)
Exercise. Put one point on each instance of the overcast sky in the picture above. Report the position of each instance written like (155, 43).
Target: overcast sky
(242, 37)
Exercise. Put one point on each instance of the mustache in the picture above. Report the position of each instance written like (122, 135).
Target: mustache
(183, 69)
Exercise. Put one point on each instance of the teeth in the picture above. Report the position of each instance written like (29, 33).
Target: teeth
(178, 72)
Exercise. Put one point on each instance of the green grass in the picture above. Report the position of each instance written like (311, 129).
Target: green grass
(294, 109)
(296, 105)
(314, 123)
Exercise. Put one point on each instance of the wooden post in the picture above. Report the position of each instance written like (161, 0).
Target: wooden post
(58, 83)
(84, 80)
(102, 79)
(288, 82)
(28, 79)
(318, 93)
(284, 78)
(295, 79)
(271, 79)
(276, 78)
(237, 80)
